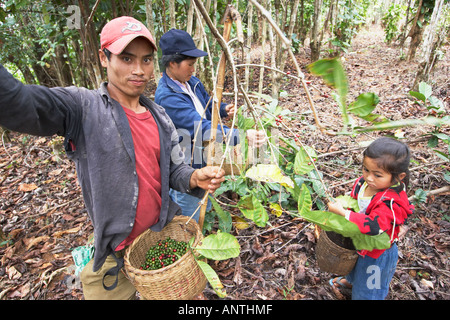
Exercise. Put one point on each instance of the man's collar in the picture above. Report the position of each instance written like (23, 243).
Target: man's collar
(103, 89)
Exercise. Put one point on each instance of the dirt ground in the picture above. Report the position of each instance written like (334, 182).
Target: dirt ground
(42, 216)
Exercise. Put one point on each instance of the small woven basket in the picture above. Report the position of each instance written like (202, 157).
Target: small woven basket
(332, 257)
(181, 280)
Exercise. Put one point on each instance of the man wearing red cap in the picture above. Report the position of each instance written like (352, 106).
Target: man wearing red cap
(125, 148)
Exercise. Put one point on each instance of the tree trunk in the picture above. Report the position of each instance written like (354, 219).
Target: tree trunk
(263, 52)
(27, 74)
(281, 58)
(90, 60)
(276, 45)
(248, 48)
(431, 30)
(201, 66)
(416, 39)
(190, 17)
(151, 27)
(62, 65)
(315, 41)
(328, 20)
(62, 68)
(432, 43)
(415, 32)
(402, 36)
(172, 14)
(302, 28)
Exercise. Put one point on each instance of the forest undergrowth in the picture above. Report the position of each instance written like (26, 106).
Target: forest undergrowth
(42, 215)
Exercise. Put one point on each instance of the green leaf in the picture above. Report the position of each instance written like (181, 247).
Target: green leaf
(304, 201)
(433, 141)
(348, 202)
(364, 104)
(365, 242)
(253, 210)
(225, 221)
(269, 173)
(443, 137)
(245, 123)
(329, 221)
(303, 163)
(371, 117)
(317, 186)
(420, 196)
(418, 95)
(436, 104)
(219, 246)
(212, 278)
(442, 155)
(333, 74)
(266, 97)
(425, 89)
(447, 176)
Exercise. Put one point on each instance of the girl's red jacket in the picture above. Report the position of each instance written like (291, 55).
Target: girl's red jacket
(387, 211)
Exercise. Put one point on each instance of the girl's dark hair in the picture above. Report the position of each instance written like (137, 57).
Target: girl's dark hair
(177, 58)
(391, 155)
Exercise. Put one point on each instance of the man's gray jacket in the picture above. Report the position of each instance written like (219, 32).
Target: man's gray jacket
(98, 139)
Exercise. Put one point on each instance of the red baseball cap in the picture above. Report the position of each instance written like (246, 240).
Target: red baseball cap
(119, 32)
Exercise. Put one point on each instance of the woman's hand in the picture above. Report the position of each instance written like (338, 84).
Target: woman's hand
(256, 138)
(230, 109)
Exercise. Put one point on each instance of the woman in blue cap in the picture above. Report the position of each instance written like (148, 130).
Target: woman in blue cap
(186, 101)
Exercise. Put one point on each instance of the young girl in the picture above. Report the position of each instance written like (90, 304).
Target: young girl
(384, 207)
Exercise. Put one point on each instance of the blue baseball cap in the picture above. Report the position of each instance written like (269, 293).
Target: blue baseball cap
(177, 41)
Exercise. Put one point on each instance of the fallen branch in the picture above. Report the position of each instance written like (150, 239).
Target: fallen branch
(429, 164)
(433, 192)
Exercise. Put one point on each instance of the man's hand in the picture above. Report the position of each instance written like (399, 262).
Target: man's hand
(208, 178)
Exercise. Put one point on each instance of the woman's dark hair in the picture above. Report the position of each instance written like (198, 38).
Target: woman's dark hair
(177, 58)
(391, 155)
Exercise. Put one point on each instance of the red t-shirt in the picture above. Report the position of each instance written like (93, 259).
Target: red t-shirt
(147, 151)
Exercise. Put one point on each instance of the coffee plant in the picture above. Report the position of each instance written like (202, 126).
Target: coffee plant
(286, 175)
(391, 21)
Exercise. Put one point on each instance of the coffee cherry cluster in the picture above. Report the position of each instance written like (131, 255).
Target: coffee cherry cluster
(164, 253)
(278, 119)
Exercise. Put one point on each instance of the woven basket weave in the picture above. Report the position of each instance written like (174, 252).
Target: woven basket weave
(181, 280)
(333, 258)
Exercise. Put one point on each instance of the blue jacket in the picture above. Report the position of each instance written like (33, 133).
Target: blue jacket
(181, 109)
(104, 154)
